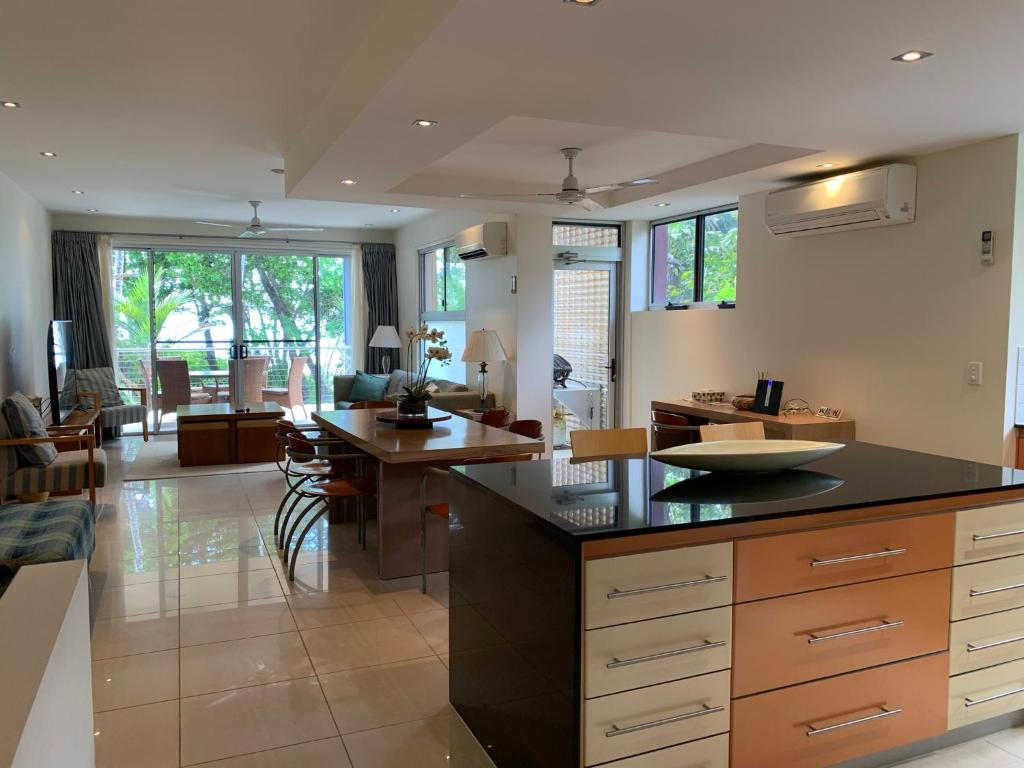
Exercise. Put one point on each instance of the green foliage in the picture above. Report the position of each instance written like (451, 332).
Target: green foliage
(682, 245)
(720, 246)
(131, 308)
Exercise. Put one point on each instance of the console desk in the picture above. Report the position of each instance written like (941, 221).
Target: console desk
(797, 426)
(628, 614)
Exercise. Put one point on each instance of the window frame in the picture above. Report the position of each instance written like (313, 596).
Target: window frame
(436, 314)
(616, 225)
(699, 218)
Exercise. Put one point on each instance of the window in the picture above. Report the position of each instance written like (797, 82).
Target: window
(443, 304)
(693, 260)
(567, 234)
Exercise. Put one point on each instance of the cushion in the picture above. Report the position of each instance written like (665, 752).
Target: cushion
(23, 420)
(119, 415)
(459, 388)
(99, 380)
(398, 379)
(8, 454)
(46, 532)
(366, 386)
(68, 472)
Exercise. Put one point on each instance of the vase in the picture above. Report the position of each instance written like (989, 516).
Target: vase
(412, 407)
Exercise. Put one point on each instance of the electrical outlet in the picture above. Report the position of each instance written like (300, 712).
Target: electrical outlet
(974, 374)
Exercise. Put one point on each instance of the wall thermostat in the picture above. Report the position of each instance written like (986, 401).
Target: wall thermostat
(988, 255)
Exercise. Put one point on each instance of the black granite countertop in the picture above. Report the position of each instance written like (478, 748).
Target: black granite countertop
(640, 495)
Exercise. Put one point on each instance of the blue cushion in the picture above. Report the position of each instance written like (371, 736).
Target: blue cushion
(366, 386)
(23, 420)
(45, 532)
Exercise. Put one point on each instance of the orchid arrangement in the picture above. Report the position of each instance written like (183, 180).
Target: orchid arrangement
(416, 394)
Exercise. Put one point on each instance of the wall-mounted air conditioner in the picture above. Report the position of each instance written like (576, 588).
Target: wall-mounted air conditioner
(875, 197)
(482, 241)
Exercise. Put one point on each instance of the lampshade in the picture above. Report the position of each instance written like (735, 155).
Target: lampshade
(484, 346)
(386, 336)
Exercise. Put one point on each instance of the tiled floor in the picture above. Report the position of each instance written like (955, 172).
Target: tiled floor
(204, 654)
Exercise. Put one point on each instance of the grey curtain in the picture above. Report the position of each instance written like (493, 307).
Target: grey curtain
(78, 296)
(380, 276)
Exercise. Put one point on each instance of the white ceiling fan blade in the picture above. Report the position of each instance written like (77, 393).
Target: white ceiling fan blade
(589, 205)
(501, 194)
(638, 183)
(215, 224)
(295, 229)
(251, 233)
(605, 188)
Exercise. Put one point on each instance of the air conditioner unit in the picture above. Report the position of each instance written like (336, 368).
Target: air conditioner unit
(482, 241)
(875, 197)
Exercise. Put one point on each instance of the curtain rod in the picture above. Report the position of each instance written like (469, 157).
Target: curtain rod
(214, 237)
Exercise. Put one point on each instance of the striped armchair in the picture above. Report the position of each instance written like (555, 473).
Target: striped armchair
(93, 383)
(71, 471)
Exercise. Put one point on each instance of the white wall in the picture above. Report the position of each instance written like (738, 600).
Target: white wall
(881, 322)
(26, 292)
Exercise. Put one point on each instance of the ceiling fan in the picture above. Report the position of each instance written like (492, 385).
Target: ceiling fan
(255, 228)
(571, 193)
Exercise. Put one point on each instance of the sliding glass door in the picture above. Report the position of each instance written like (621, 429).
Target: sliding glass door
(247, 325)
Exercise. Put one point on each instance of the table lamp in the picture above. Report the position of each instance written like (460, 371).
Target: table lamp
(386, 337)
(483, 347)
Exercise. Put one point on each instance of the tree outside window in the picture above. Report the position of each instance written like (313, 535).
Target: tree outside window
(694, 259)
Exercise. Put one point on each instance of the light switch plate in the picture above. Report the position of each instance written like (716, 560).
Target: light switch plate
(974, 374)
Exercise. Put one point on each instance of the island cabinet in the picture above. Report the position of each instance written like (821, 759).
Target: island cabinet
(601, 616)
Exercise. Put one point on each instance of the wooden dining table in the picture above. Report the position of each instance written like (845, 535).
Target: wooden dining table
(397, 459)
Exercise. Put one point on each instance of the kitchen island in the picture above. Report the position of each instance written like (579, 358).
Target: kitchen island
(631, 614)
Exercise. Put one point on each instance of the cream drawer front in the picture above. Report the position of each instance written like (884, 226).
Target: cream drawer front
(983, 588)
(634, 722)
(657, 650)
(989, 532)
(986, 693)
(985, 641)
(712, 752)
(653, 584)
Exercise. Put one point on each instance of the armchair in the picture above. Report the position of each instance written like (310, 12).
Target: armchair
(72, 470)
(97, 388)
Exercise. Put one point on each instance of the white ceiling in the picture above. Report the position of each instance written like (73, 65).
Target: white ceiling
(181, 109)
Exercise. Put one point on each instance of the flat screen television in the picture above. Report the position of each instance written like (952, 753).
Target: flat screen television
(60, 366)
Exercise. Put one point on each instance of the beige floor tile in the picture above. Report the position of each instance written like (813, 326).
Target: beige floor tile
(1010, 740)
(138, 736)
(240, 587)
(323, 609)
(373, 697)
(441, 742)
(143, 633)
(240, 663)
(216, 623)
(445, 659)
(978, 753)
(215, 534)
(124, 573)
(156, 597)
(364, 644)
(433, 625)
(413, 601)
(129, 681)
(328, 753)
(230, 561)
(221, 725)
(192, 496)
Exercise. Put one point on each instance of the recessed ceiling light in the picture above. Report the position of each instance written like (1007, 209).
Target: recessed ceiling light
(828, 165)
(424, 123)
(92, 210)
(48, 154)
(9, 104)
(581, 2)
(662, 205)
(909, 57)
(77, 192)
(396, 210)
(349, 182)
(277, 170)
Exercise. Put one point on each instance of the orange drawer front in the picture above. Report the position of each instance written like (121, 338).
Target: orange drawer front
(801, 562)
(829, 721)
(804, 637)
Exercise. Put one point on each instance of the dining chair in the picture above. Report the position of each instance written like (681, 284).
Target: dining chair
(745, 430)
(606, 443)
(527, 428)
(175, 388)
(254, 378)
(671, 429)
(365, 404)
(290, 397)
(498, 417)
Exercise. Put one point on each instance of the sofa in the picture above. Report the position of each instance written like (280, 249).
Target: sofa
(451, 397)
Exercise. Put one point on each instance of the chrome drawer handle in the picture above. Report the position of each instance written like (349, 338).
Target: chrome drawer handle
(884, 713)
(852, 632)
(815, 562)
(706, 709)
(987, 536)
(663, 587)
(707, 645)
(994, 590)
(969, 702)
(971, 647)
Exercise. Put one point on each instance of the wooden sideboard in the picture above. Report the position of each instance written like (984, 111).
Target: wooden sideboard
(798, 426)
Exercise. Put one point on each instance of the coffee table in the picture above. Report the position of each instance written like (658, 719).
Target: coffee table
(216, 433)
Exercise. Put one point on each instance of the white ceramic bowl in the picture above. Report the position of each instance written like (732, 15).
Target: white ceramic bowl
(746, 455)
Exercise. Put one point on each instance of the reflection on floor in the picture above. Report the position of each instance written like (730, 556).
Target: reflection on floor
(204, 653)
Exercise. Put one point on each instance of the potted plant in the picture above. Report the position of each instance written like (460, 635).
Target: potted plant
(417, 394)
